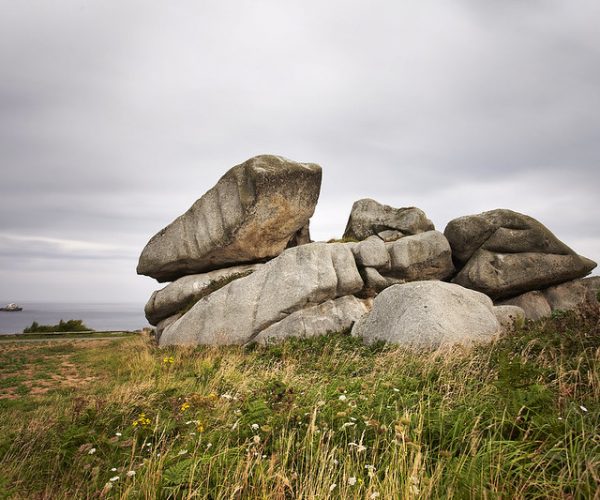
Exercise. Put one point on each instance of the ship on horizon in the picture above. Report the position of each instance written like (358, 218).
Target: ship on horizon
(12, 307)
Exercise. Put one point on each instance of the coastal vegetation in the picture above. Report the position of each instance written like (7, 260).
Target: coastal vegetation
(326, 417)
(72, 325)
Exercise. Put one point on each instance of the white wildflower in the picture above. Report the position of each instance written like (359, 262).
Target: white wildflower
(342, 397)
(118, 434)
(208, 445)
(92, 451)
(255, 427)
(114, 469)
(130, 473)
(352, 481)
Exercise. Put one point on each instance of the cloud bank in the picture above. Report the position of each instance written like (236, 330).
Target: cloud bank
(116, 116)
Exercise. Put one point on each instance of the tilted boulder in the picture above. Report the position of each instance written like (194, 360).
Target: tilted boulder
(300, 278)
(504, 253)
(184, 292)
(429, 314)
(332, 316)
(368, 218)
(249, 215)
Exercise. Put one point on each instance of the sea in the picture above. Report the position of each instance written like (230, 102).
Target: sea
(99, 316)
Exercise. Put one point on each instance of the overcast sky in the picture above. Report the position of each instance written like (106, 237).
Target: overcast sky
(115, 116)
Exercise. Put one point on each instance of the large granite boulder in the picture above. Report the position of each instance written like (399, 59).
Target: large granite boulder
(429, 314)
(332, 316)
(504, 253)
(300, 278)
(186, 291)
(368, 218)
(251, 214)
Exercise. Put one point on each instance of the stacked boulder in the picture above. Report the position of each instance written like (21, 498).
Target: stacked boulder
(398, 245)
(243, 269)
(516, 260)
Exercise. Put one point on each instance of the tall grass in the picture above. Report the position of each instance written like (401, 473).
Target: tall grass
(317, 418)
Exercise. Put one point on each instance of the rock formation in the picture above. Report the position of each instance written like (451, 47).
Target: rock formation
(504, 253)
(243, 268)
(300, 277)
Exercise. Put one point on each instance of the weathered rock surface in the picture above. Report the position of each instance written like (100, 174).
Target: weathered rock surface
(501, 231)
(249, 215)
(299, 278)
(429, 314)
(534, 305)
(160, 327)
(368, 218)
(376, 282)
(509, 317)
(569, 296)
(564, 297)
(421, 257)
(505, 253)
(182, 293)
(592, 282)
(506, 275)
(332, 316)
(371, 252)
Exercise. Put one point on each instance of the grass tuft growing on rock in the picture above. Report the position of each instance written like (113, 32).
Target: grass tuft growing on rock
(315, 418)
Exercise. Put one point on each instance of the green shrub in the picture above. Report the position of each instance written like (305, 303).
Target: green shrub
(72, 325)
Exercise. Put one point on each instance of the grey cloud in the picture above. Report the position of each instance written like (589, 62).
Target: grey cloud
(116, 116)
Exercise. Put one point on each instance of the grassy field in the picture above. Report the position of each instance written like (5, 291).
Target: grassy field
(319, 418)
